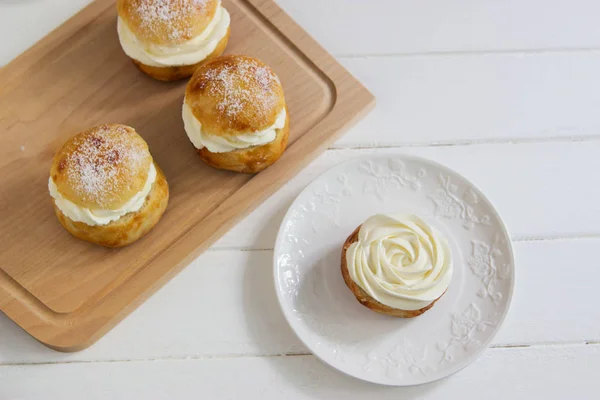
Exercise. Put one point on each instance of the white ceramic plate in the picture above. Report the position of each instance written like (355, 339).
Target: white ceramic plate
(325, 314)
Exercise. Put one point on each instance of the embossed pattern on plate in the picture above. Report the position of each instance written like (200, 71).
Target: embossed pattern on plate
(364, 344)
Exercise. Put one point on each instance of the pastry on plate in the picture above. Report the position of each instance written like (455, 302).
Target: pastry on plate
(397, 265)
(169, 39)
(235, 114)
(105, 186)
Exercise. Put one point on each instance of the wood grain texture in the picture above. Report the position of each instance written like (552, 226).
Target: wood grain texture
(447, 98)
(355, 27)
(67, 293)
(360, 27)
(548, 373)
(27, 23)
(468, 98)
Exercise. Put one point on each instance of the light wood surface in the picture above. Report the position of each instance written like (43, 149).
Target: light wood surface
(505, 92)
(67, 293)
(499, 374)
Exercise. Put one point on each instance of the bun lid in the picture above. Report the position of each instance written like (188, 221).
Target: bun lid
(167, 22)
(102, 168)
(235, 94)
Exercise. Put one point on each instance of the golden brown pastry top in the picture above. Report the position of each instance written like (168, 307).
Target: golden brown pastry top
(167, 22)
(235, 94)
(102, 168)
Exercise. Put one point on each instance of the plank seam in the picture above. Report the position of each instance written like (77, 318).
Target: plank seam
(458, 143)
(482, 52)
(504, 347)
(516, 239)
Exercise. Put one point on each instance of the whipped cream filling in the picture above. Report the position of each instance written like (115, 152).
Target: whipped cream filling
(102, 217)
(400, 261)
(223, 144)
(188, 53)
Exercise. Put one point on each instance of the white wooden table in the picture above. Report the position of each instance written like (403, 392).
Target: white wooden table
(505, 92)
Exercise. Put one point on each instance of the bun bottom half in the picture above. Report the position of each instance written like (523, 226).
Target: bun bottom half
(130, 227)
(253, 159)
(176, 73)
(364, 298)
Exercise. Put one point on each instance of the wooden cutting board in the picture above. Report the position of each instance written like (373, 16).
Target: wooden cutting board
(67, 293)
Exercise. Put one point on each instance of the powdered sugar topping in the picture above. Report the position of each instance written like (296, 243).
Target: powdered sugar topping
(156, 14)
(101, 163)
(242, 83)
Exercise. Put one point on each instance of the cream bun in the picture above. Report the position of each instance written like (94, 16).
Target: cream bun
(170, 39)
(105, 186)
(397, 265)
(235, 114)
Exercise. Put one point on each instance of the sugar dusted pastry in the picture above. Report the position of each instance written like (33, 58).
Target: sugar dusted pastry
(105, 186)
(169, 39)
(235, 114)
(397, 265)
